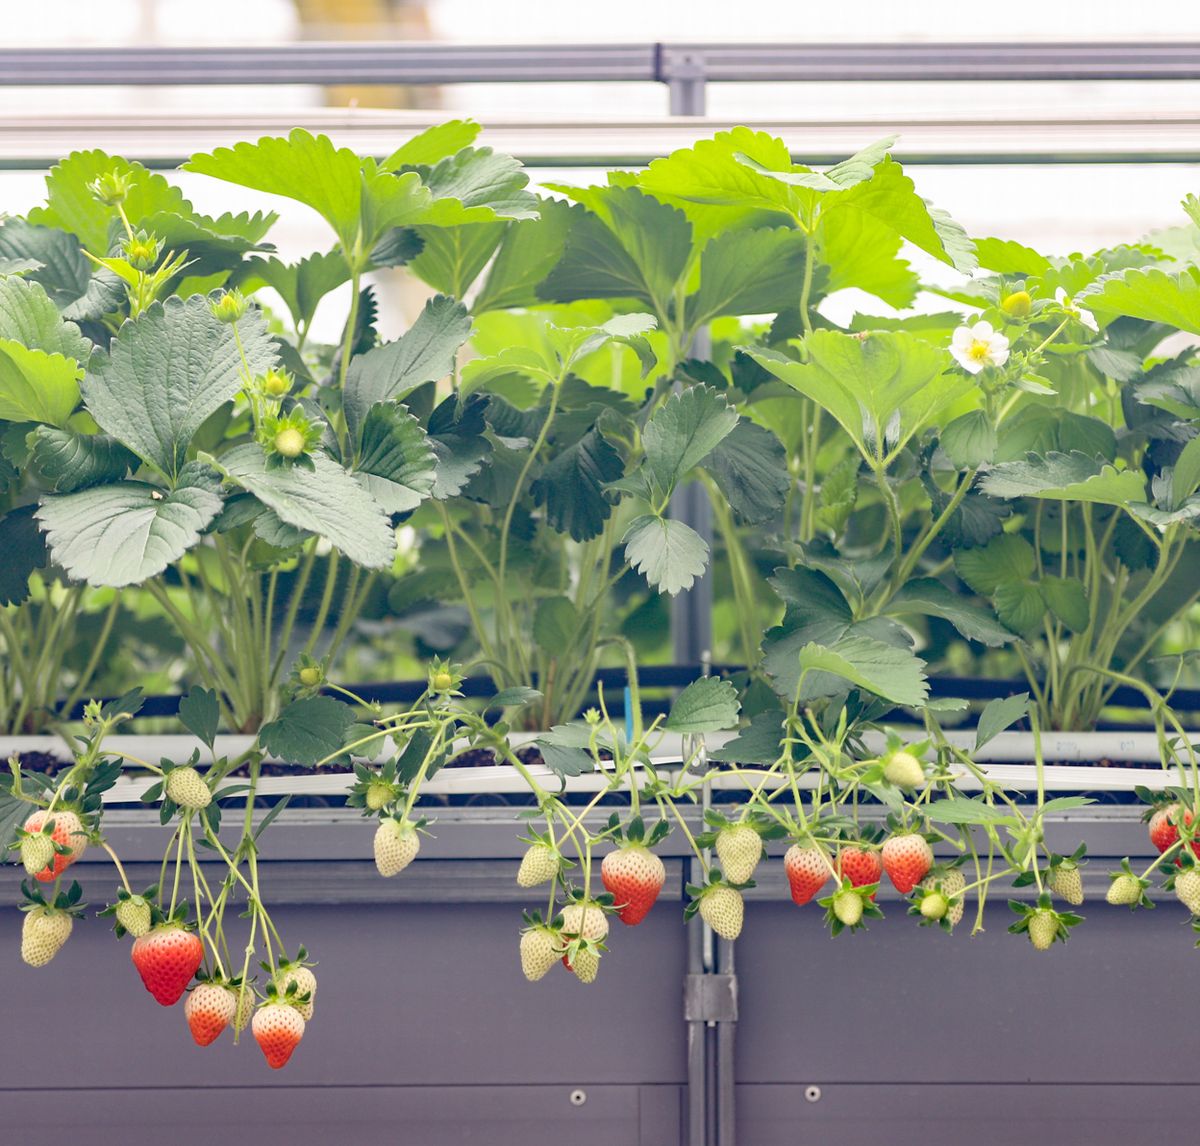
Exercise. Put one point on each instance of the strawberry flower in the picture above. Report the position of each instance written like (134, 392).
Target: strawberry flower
(1069, 306)
(975, 347)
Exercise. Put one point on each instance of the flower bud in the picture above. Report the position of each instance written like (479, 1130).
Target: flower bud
(110, 188)
(229, 307)
(1017, 305)
(310, 676)
(276, 383)
(142, 251)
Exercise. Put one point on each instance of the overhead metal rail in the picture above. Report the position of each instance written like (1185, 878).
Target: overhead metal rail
(34, 141)
(668, 63)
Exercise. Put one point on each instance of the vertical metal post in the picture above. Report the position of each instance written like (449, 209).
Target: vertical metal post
(691, 611)
(697, 1035)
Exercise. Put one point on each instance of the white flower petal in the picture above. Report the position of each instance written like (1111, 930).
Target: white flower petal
(1089, 320)
(983, 331)
(1060, 296)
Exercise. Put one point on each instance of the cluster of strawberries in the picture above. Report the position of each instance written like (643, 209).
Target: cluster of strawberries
(167, 954)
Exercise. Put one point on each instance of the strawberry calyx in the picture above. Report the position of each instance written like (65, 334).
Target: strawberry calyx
(66, 902)
(850, 905)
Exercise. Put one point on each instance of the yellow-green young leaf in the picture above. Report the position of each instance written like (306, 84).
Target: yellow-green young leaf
(999, 714)
(301, 285)
(872, 379)
(1152, 295)
(1185, 477)
(1006, 257)
(477, 186)
(433, 144)
(358, 199)
(35, 386)
(970, 440)
(527, 255)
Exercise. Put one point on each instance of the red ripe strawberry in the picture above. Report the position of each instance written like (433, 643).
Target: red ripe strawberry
(859, 866)
(1163, 832)
(635, 876)
(807, 872)
(278, 1030)
(1164, 829)
(166, 959)
(907, 859)
(68, 833)
(209, 1010)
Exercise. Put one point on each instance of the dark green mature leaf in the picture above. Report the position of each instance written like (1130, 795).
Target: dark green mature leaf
(709, 704)
(529, 252)
(970, 440)
(301, 285)
(1005, 558)
(999, 714)
(18, 266)
(932, 598)
(68, 461)
(200, 714)
(1067, 600)
(325, 500)
(61, 268)
(424, 353)
(456, 432)
(683, 431)
(750, 468)
(892, 673)
(24, 550)
(555, 625)
(168, 371)
(1065, 477)
(122, 534)
(758, 743)
(308, 731)
(515, 697)
(963, 810)
(753, 272)
(571, 486)
(13, 813)
(668, 553)
(564, 750)
(1020, 605)
(632, 246)
(396, 461)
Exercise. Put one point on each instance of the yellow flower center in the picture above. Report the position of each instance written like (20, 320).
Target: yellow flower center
(979, 351)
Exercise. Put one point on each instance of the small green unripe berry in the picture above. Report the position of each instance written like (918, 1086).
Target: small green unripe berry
(1018, 304)
(934, 905)
(442, 682)
(276, 383)
(904, 770)
(848, 907)
(289, 442)
(310, 675)
(379, 795)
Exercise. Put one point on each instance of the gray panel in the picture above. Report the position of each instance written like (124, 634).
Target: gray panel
(350, 1116)
(985, 1009)
(428, 995)
(927, 1115)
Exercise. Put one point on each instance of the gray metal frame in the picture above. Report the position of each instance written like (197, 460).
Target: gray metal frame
(680, 66)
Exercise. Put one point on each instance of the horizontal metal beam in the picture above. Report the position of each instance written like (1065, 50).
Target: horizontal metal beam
(424, 63)
(164, 140)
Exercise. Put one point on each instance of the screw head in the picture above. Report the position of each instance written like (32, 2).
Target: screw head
(812, 1094)
(578, 1097)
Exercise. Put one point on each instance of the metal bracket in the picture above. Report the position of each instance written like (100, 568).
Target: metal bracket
(710, 999)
